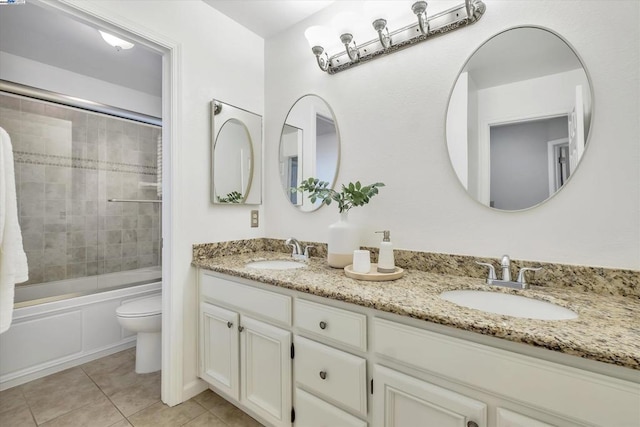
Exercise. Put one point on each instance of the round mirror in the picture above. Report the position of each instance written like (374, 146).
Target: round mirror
(232, 162)
(518, 118)
(309, 147)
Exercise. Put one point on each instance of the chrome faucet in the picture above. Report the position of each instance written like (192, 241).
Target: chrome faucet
(296, 249)
(506, 268)
(506, 281)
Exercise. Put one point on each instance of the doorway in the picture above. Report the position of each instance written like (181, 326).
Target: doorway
(520, 165)
(172, 306)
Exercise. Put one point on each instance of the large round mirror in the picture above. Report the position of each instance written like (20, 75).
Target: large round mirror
(232, 162)
(518, 118)
(309, 147)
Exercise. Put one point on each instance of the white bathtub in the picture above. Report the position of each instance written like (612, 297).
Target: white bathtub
(67, 323)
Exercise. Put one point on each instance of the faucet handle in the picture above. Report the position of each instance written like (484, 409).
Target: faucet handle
(492, 270)
(521, 277)
(306, 250)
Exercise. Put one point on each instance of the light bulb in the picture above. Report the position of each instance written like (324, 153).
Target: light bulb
(116, 42)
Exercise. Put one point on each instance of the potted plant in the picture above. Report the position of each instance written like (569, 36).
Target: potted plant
(343, 236)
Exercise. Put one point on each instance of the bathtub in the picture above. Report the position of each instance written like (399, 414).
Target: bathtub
(62, 324)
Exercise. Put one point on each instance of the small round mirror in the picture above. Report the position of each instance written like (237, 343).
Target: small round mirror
(309, 147)
(518, 119)
(232, 163)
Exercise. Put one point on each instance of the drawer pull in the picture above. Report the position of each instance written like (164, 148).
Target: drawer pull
(229, 324)
(323, 325)
(323, 375)
(472, 424)
(240, 328)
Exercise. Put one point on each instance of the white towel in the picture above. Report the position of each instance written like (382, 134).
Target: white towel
(13, 260)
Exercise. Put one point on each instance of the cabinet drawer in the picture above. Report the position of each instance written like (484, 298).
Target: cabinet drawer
(332, 374)
(268, 305)
(341, 326)
(314, 412)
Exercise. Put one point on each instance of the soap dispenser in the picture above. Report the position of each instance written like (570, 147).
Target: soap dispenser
(386, 263)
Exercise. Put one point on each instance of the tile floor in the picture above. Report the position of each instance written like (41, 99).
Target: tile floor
(108, 393)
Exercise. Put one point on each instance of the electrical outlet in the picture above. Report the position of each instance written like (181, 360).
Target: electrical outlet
(254, 218)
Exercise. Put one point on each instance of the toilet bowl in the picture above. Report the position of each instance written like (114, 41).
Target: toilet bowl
(144, 316)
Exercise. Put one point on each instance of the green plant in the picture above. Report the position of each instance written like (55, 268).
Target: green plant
(350, 196)
(233, 197)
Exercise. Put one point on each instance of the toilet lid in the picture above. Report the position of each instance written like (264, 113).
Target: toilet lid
(142, 307)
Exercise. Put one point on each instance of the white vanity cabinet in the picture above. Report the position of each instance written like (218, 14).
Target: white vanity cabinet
(331, 383)
(243, 353)
(342, 365)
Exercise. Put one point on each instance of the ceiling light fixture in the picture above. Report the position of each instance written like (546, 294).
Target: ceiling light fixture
(426, 27)
(116, 42)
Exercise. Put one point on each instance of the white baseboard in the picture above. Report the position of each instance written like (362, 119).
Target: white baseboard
(194, 388)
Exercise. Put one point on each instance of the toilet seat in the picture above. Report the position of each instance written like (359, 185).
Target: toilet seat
(144, 307)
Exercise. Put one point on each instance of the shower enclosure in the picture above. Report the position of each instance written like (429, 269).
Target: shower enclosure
(69, 163)
(89, 205)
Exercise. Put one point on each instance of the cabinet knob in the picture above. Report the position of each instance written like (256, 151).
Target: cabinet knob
(323, 325)
(240, 328)
(323, 375)
(472, 424)
(229, 324)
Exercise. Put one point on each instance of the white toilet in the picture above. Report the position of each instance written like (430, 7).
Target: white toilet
(144, 316)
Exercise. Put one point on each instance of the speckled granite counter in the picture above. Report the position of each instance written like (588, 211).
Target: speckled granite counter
(607, 328)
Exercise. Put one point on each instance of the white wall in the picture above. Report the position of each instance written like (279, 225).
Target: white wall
(36, 74)
(217, 59)
(391, 117)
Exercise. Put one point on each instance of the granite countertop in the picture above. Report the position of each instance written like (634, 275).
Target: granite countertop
(607, 328)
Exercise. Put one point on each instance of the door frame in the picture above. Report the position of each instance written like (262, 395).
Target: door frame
(551, 161)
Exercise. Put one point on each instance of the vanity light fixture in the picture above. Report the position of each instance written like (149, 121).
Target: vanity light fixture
(116, 42)
(425, 28)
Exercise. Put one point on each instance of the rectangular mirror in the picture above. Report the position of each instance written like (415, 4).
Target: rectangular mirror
(236, 155)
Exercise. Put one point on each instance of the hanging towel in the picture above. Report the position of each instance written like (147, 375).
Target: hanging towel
(13, 260)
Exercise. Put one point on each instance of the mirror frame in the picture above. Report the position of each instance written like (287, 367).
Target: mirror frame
(589, 129)
(221, 113)
(338, 157)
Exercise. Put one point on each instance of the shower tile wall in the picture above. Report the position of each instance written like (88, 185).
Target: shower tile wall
(68, 163)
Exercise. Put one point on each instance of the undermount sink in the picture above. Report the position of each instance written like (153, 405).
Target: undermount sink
(275, 264)
(509, 305)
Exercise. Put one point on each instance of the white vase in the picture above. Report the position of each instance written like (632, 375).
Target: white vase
(344, 238)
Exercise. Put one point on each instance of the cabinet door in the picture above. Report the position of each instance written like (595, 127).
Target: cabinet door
(265, 354)
(403, 401)
(219, 348)
(507, 418)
